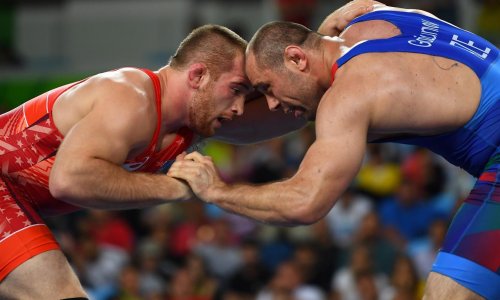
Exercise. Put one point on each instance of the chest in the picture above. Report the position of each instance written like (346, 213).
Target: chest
(159, 156)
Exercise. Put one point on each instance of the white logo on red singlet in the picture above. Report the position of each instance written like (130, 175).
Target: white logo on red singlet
(135, 165)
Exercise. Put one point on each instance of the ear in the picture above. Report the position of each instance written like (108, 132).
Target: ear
(196, 73)
(295, 57)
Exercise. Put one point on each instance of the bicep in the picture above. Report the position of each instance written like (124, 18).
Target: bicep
(334, 159)
(330, 165)
(257, 124)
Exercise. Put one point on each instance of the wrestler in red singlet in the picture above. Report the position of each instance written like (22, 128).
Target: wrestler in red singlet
(28, 146)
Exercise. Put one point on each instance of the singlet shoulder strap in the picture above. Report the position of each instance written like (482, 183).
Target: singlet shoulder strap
(335, 67)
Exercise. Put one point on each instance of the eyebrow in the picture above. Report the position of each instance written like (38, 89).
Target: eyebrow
(243, 84)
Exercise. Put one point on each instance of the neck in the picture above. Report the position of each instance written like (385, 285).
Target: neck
(174, 100)
(330, 50)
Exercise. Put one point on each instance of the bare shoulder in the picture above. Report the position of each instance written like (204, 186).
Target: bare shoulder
(408, 93)
(347, 104)
(125, 86)
(124, 96)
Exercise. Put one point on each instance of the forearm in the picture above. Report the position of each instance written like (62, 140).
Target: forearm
(101, 184)
(281, 203)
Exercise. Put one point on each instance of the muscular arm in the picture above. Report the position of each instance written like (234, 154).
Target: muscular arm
(87, 171)
(257, 124)
(327, 169)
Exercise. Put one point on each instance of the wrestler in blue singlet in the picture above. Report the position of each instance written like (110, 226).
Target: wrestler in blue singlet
(471, 251)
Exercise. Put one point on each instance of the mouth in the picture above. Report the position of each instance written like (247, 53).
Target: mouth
(298, 112)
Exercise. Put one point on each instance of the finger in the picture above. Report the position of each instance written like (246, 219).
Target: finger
(357, 11)
(187, 164)
(181, 156)
(198, 157)
(188, 175)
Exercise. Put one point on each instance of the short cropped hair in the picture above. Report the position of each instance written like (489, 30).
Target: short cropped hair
(214, 45)
(270, 41)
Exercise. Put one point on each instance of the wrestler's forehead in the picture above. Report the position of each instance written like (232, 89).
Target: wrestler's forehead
(252, 70)
(239, 65)
(238, 69)
(237, 74)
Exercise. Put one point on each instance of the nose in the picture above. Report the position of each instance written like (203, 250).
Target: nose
(272, 102)
(238, 106)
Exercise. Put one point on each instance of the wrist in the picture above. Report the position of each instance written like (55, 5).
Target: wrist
(216, 193)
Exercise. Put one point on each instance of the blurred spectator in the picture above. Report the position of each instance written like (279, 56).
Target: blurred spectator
(188, 229)
(218, 250)
(192, 282)
(406, 216)
(327, 254)
(99, 266)
(344, 218)
(250, 277)
(405, 282)
(378, 177)
(203, 284)
(423, 251)
(268, 162)
(359, 280)
(151, 283)
(295, 147)
(308, 258)
(367, 287)
(370, 234)
(276, 247)
(288, 284)
(109, 228)
(129, 285)
(422, 168)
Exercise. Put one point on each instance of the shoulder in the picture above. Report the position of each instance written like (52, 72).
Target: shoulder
(123, 101)
(127, 91)
(351, 97)
(127, 83)
(363, 82)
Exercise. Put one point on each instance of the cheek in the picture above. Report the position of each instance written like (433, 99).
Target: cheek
(225, 101)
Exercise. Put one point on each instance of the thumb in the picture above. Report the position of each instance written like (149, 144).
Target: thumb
(181, 156)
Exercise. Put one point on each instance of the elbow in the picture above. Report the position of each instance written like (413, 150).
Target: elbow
(60, 186)
(303, 214)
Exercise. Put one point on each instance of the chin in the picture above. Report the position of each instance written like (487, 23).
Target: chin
(205, 131)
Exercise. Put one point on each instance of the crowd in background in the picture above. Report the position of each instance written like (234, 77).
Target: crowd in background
(378, 241)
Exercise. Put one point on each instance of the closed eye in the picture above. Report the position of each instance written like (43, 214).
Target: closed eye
(263, 88)
(236, 91)
(239, 89)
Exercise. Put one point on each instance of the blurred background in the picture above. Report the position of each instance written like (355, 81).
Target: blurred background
(378, 242)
